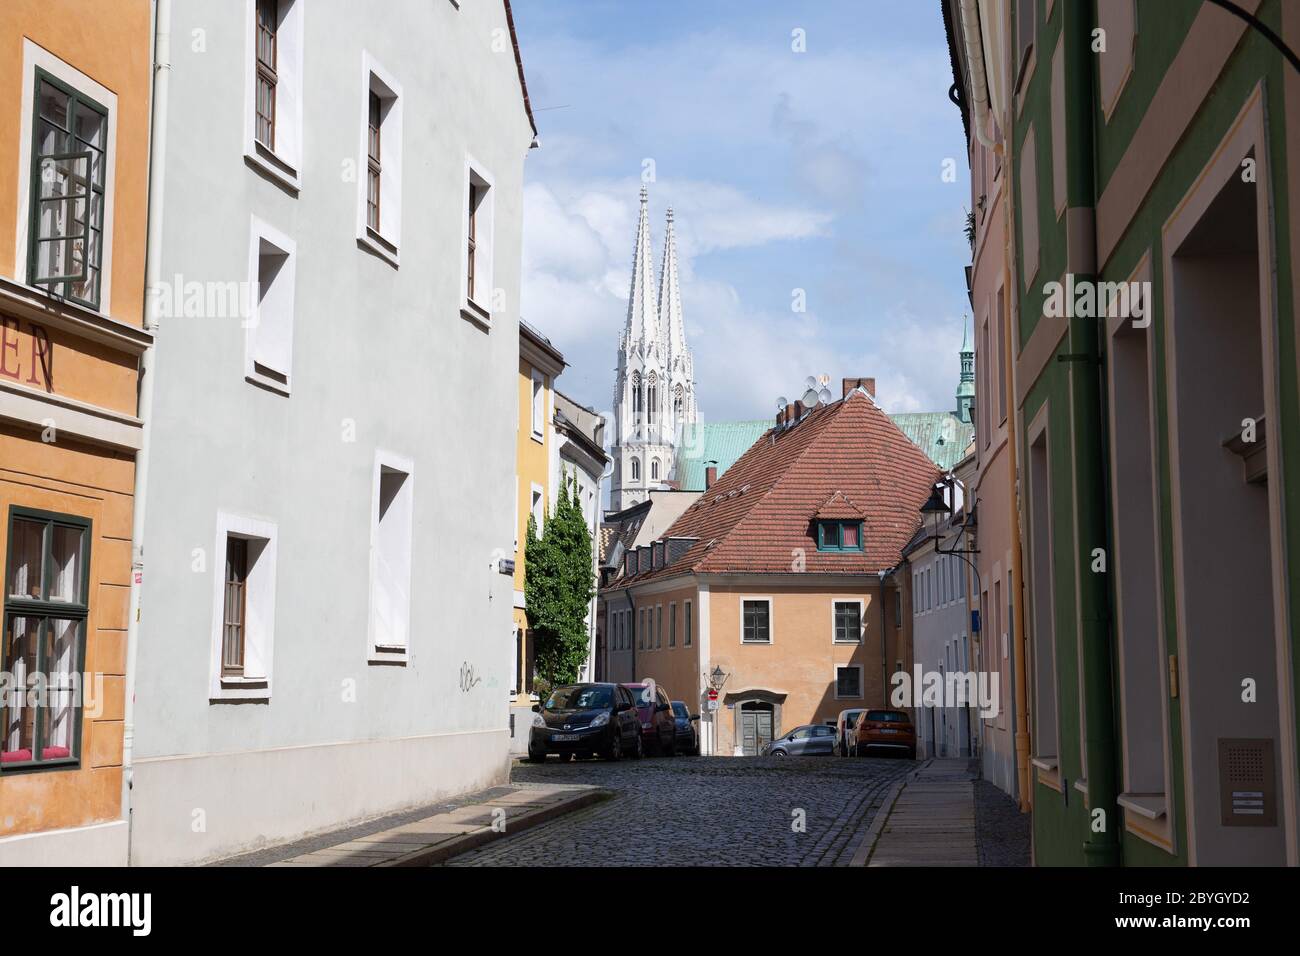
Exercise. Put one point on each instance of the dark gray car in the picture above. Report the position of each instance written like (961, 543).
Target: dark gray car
(806, 741)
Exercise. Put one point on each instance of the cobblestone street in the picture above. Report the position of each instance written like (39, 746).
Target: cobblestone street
(704, 811)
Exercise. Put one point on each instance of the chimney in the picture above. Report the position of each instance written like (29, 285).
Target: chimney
(851, 383)
(710, 476)
(791, 413)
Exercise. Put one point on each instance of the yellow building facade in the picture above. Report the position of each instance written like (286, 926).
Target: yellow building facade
(536, 458)
(74, 159)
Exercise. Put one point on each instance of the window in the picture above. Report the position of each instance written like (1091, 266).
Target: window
(1001, 318)
(848, 681)
(268, 24)
(69, 153)
(652, 398)
(379, 198)
(1041, 563)
(374, 164)
(273, 124)
(478, 246)
(636, 469)
(636, 398)
(640, 631)
(538, 407)
(659, 627)
(898, 608)
(537, 507)
(517, 677)
(391, 523)
(839, 536)
(243, 616)
(268, 339)
(235, 611)
(672, 625)
(1025, 26)
(654, 469)
(44, 640)
(755, 624)
(848, 621)
(690, 624)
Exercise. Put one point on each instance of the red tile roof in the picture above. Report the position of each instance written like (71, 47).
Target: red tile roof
(844, 460)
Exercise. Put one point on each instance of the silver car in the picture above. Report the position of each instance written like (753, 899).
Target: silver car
(806, 741)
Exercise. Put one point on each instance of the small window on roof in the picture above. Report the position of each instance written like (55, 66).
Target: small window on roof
(839, 536)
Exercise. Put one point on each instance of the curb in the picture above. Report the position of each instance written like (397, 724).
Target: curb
(869, 839)
(440, 852)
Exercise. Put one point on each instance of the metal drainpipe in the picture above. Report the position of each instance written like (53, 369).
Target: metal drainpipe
(1084, 368)
(157, 175)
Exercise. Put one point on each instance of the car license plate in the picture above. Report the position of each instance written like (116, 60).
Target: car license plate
(888, 730)
(563, 738)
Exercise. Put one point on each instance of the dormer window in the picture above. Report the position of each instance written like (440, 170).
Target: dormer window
(839, 535)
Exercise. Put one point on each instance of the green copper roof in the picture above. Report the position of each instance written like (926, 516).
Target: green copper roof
(723, 442)
(941, 435)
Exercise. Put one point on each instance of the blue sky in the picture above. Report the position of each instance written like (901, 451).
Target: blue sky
(818, 170)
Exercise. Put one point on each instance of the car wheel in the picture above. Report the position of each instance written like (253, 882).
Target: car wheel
(615, 751)
(535, 757)
(638, 750)
(779, 753)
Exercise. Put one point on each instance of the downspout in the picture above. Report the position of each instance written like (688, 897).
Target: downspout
(153, 255)
(1083, 367)
(970, 31)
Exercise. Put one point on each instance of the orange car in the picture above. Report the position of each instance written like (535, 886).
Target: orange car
(885, 730)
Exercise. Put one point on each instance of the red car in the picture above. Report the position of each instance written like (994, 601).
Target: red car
(890, 730)
(658, 726)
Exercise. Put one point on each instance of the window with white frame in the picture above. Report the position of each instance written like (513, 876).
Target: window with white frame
(659, 626)
(848, 681)
(847, 620)
(243, 616)
(537, 506)
(538, 406)
(379, 191)
(273, 121)
(268, 339)
(67, 123)
(756, 621)
(392, 518)
(478, 241)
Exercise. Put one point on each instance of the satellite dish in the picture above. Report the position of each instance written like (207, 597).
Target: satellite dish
(824, 396)
(781, 403)
(810, 398)
(810, 382)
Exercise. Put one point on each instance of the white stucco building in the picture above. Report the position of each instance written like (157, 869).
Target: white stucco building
(326, 629)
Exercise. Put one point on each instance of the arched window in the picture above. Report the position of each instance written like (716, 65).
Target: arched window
(677, 405)
(636, 397)
(654, 469)
(652, 396)
(636, 469)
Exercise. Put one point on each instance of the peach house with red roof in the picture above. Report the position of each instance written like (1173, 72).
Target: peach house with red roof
(777, 587)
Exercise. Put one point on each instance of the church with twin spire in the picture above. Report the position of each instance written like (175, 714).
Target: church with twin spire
(654, 391)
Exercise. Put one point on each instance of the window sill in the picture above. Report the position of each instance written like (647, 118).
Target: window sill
(1146, 816)
(475, 313)
(241, 690)
(399, 656)
(1152, 806)
(757, 643)
(537, 437)
(267, 161)
(380, 246)
(847, 643)
(267, 382)
(1048, 774)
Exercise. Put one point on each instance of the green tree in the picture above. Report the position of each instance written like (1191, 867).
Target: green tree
(558, 585)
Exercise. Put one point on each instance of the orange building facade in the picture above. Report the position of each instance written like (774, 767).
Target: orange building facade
(74, 156)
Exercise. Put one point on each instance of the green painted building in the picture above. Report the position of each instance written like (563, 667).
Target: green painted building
(1148, 152)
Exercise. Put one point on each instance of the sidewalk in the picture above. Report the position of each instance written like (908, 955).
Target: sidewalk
(931, 821)
(429, 840)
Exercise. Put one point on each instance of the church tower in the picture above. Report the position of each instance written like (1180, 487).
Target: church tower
(654, 393)
(966, 386)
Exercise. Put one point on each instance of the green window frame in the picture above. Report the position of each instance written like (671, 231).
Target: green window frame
(68, 193)
(25, 719)
(831, 536)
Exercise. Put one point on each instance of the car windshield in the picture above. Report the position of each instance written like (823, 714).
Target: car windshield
(888, 716)
(579, 698)
(680, 709)
(641, 693)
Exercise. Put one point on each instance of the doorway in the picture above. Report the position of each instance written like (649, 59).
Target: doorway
(755, 726)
